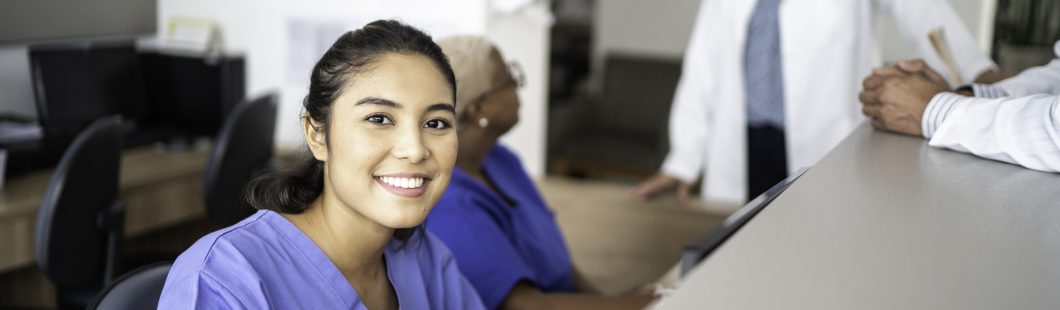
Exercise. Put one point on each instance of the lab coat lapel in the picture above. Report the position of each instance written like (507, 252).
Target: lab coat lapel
(725, 179)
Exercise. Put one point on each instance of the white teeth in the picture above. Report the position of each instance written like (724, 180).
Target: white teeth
(403, 182)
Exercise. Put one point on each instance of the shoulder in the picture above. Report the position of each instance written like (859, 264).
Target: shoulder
(427, 253)
(463, 197)
(462, 207)
(221, 263)
(226, 248)
(190, 288)
(503, 152)
(459, 198)
(504, 159)
(435, 249)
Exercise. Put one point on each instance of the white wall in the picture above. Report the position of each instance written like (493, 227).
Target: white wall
(977, 15)
(655, 28)
(662, 28)
(52, 20)
(26, 20)
(278, 36)
(635, 27)
(524, 37)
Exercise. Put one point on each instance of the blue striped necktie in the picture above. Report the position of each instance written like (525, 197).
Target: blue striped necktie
(763, 75)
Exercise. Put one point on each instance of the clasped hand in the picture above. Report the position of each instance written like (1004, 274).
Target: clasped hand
(895, 97)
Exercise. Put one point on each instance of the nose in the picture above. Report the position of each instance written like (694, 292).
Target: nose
(409, 145)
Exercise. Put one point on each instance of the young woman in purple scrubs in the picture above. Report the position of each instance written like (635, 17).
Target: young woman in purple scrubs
(342, 230)
(492, 217)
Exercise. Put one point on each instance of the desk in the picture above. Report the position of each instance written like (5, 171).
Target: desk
(886, 222)
(159, 189)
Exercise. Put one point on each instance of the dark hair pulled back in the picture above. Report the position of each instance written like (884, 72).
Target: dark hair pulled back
(292, 190)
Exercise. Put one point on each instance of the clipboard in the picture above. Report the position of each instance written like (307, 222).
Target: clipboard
(938, 41)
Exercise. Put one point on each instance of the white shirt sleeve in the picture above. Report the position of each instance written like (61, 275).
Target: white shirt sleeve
(1038, 80)
(988, 91)
(688, 115)
(1019, 130)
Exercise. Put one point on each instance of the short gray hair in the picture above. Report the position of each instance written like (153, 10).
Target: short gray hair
(470, 58)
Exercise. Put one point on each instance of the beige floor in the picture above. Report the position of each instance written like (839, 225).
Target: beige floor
(617, 242)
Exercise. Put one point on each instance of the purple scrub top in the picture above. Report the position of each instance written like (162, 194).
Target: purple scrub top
(266, 262)
(499, 244)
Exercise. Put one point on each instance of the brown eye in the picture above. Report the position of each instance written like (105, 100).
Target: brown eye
(437, 124)
(379, 119)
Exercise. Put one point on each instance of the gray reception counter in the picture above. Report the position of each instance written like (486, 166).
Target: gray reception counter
(885, 221)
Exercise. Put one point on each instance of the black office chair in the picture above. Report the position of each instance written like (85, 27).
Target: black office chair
(138, 289)
(80, 222)
(242, 151)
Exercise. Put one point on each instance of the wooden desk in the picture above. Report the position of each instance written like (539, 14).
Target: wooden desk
(159, 188)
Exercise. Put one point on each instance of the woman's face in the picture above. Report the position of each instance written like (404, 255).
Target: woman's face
(391, 145)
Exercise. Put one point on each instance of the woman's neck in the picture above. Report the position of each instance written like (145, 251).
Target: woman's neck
(355, 244)
(350, 240)
(474, 145)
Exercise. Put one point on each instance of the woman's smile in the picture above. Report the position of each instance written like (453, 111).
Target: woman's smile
(409, 185)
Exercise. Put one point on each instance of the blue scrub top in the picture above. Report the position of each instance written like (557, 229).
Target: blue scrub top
(497, 244)
(266, 262)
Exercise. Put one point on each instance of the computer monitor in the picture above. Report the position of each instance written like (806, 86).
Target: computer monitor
(694, 253)
(192, 94)
(76, 84)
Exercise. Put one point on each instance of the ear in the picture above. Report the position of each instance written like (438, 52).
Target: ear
(473, 111)
(316, 137)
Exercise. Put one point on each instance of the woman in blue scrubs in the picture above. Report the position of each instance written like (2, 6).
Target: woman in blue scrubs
(341, 231)
(492, 217)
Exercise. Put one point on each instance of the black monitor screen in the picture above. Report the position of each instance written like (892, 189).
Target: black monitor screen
(191, 94)
(76, 84)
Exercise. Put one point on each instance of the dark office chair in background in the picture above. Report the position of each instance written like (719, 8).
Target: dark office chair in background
(138, 289)
(622, 130)
(80, 222)
(242, 151)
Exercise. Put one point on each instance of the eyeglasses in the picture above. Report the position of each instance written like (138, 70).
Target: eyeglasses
(516, 71)
(518, 79)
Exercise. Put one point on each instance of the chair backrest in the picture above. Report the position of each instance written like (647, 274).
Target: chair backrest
(637, 93)
(73, 231)
(138, 289)
(242, 150)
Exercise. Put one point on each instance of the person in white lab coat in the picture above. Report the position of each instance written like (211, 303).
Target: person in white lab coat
(808, 82)
(1016, 120)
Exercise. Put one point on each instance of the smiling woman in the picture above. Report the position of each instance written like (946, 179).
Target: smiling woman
(341, 230)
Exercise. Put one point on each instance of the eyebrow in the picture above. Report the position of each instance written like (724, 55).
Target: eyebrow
(389, 103)
(379, 101)
(442, 107)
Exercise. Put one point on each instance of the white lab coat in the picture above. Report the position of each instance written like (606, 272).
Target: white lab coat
(1019, 125)
(827, 48)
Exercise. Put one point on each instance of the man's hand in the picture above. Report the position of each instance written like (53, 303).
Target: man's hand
(661, 182)
(895, 97)
(919, 66)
